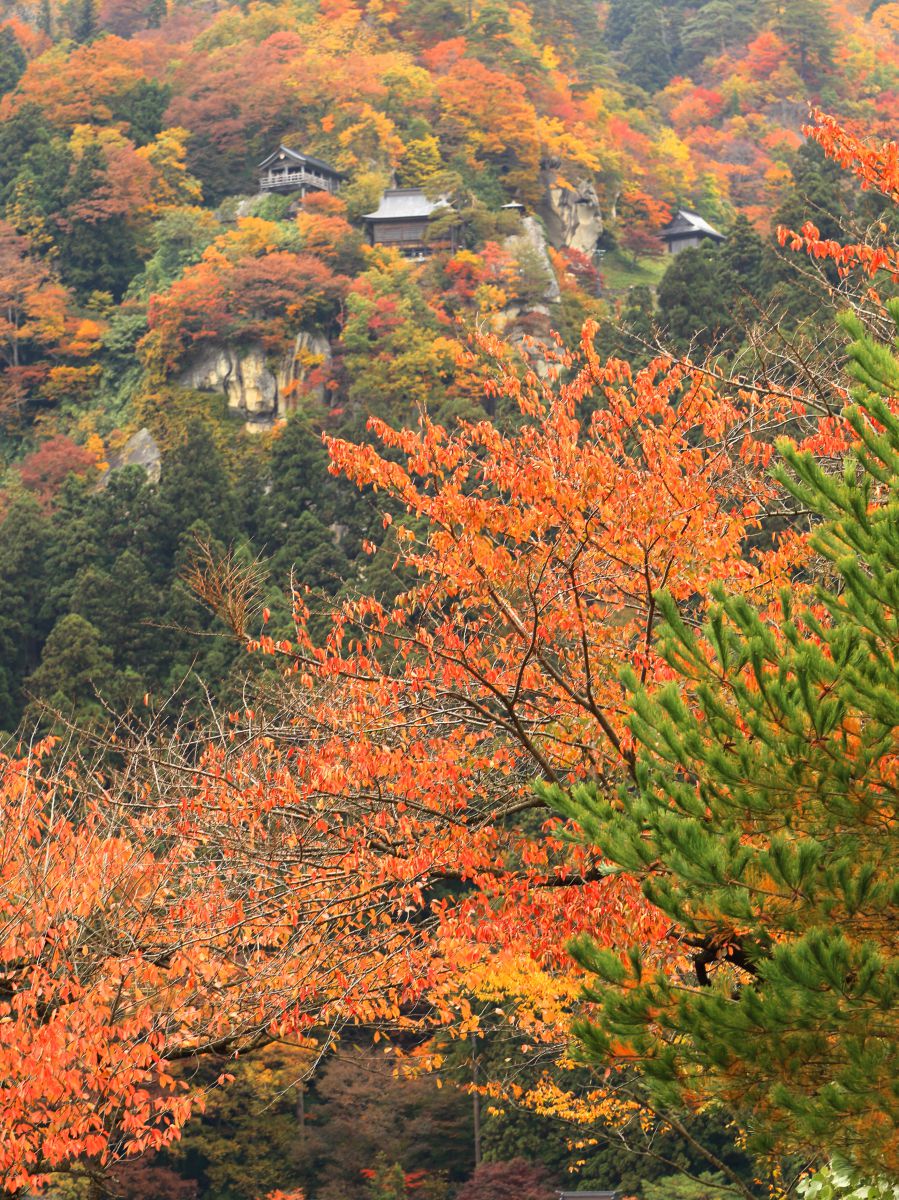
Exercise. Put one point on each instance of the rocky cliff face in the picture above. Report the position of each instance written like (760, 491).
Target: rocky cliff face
(526, 324)
(571, 213)
(531, 241)
(254, 385)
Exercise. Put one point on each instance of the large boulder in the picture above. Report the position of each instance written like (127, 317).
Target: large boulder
(528, 323)
(571, 213)
(141, 450)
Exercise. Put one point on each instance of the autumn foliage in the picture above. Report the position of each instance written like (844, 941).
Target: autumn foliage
(396, 757)
(359, 839)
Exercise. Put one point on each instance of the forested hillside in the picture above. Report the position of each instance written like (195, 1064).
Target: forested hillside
(316, 556)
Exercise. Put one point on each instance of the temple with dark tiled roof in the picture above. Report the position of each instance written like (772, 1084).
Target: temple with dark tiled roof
(402, 219)
(688, 229)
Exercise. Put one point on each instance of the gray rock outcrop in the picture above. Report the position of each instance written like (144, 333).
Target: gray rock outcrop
(571, 213)
(141, 450)
(531, 242)
(253, 385)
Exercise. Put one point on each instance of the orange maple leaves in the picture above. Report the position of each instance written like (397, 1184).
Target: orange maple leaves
(353, 848)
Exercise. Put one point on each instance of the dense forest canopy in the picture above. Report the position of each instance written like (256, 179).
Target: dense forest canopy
(352, 597)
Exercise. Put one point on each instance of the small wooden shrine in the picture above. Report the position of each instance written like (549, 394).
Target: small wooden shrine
(688, 229)
(402, 219)
(286, 170)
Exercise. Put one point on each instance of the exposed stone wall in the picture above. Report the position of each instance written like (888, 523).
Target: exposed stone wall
(527, 325)
(571, 213)
(258, 388)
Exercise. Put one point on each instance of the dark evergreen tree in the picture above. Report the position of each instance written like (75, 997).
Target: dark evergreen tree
(198, 652)
(806, 29)
(12, 60)
(81, 17)
(25, 537)
(741, 253)
(194, 486)
(124, 606)
(692, 310)
(818, 195)
(434, 20)
(157, 11)
(304, 513)
(645, 40)
(25, 137)
(143, 108)
(76, 676)
(739, 274)
(94, 254)
(573, 27)
(636, 327)
(92, 528)
(715, 28)
(45, 18)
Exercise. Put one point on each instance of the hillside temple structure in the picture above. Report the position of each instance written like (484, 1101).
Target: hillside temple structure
(286, 170)
(687, 229)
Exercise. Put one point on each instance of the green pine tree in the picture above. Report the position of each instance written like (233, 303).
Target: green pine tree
(805, 27)
(387, 1182)
(25, 538)
(714, 28)
(741, 255)
(94, 255)
(817, 194)
(124, 606)
(693, 312)
(739, 277)
(12, 60)
(82, 17)
(157, 11)
(636, 327)
(645, 40)
(76, 676)
(45, 18)
(761, 818)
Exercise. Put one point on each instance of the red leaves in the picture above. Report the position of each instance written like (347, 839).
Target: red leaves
(44, 469)
(244, 287)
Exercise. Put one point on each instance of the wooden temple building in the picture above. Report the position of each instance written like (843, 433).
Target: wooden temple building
(687, 229)
(286, 170)
(401, 220)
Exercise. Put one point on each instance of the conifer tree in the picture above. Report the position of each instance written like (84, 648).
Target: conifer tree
(82, 16)
(693, 312)
(12, 60)
(76, 673)
(761, 819)
(157, 11)
(45, 18)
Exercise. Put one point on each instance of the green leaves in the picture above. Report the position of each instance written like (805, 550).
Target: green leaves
(761, 820)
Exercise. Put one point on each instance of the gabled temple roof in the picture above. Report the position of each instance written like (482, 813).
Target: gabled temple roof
(304, 160)
(405, 204)
(689, 224)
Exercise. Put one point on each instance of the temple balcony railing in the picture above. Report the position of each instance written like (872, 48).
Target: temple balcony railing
(294, 181)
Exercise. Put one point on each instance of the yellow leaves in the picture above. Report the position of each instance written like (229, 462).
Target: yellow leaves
(172, 184)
